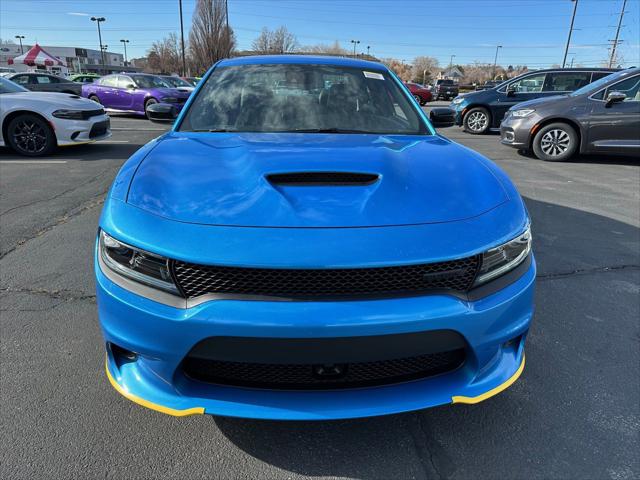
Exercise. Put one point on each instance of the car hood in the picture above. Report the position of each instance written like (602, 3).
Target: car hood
(539, 102)
(169, 92)
(221, 179)
(62, 100)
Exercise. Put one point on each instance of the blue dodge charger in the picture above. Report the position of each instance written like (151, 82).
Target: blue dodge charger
(303, 245)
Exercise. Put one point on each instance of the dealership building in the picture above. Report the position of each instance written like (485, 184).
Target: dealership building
(78, 60)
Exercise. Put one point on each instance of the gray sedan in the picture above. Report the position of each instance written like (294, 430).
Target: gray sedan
(45, 82)
(602, 117)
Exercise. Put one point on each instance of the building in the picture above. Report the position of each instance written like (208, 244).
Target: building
(78, 60)
(452, 73)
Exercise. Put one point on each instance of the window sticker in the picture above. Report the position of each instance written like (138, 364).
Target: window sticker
(377, 76)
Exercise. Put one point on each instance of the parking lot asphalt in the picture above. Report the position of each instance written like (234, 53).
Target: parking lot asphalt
(574, 413)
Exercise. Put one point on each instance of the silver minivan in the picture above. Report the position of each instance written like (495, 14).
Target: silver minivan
(602, 117)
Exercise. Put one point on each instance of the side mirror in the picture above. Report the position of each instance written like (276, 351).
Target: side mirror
(130, 86)
(511, 91)
(162, 113)
(442, 117)
(614, 97)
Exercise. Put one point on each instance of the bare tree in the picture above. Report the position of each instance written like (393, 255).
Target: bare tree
(164, 56)
(399, 67)
(424, 69)
(278, 41)
(335, 49)
(210, 38)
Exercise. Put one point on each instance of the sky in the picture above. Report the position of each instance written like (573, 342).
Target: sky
(531, 32)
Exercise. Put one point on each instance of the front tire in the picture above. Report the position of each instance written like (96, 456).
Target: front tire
(95, 99)
(556, 142)
(149, 102)
(477, 121)
(30, 135)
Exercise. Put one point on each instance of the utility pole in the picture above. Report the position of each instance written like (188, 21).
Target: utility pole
(355, 43)
(573, 17)
(20, 37)
(98, 20)
(615, 42)
(495, 61)
(184, 63)
(124, 42)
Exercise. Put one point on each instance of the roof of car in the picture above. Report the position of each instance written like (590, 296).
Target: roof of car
(302, 60)
(575, 69)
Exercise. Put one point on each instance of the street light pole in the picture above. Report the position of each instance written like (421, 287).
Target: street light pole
(368, 48)
(98, 20)
(451, 62)
(573, 17)
(20, 37)
(424, 77)
(495, 61)
(184, 63)
(615, 42)
(355, 43)
(124, 42)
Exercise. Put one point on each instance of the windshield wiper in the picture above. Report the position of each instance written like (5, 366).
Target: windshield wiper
(327, 130)
(215, 130)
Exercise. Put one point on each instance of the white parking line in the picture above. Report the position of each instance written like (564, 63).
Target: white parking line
(114, 141)
(44, 162)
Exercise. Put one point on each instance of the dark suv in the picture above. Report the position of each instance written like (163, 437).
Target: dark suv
(603, 117)
(480, 111)
(446, 89)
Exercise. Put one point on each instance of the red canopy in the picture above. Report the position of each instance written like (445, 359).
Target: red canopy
(37, 56)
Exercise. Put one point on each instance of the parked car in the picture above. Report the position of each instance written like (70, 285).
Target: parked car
(193, 81)
(34, 123)
(84, 77)
(45, 82)
(312, 252)
(177, 82)
(602, 117)
(445, 89)
(488, 84)
(419, 92)
(478, 112)
(133, 93)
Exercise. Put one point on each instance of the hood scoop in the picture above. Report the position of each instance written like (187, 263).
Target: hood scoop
(329, 179)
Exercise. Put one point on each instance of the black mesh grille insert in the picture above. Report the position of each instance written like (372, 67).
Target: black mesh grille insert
(322, 376)
(322, 178)
(196, 280)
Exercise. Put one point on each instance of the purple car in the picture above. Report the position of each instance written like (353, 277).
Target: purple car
(133, 93)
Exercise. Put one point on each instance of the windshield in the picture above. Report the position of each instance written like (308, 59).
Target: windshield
(593, 86)
(176, 82)
(304, 99)
(150, 81)
(7, 86)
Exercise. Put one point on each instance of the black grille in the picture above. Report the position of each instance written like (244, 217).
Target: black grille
(99, 129)
(322, 376)
(86, 114)
(322, 178)
(195, 280)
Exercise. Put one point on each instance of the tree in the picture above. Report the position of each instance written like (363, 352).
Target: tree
(210, 39)
(278, 41)
(400, 68)
(424, 69)
(164, 56)
(335, 49)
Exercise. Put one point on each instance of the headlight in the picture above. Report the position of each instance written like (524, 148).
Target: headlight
(69, 114)
(169, 100)
(525, 112)
(498, 261)
(136, 264)
(457, 100)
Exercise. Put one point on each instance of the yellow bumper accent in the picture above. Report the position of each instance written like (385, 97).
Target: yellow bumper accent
(151, 405)
(493, 391)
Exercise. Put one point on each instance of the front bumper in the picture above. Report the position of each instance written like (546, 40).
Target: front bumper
(516, 132)
(77, 132)
(494, 328)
